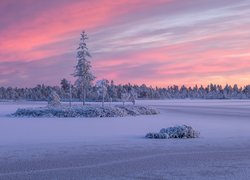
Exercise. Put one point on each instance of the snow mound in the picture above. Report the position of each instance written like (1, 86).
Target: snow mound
(182, 131)
(85, 111)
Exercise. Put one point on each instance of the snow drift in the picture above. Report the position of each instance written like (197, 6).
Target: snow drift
(85, 111)
(182, 131)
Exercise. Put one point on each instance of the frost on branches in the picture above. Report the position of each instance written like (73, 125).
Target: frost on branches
(129, 97)
(83, 68)
(114, 92)
(182, 131)
(54, 100)
(102, 89)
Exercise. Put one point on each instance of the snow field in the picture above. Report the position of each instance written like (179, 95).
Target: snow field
(115, 148)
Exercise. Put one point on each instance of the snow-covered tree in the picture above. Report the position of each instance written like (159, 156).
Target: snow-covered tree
(125, 97)
(247, 91)
(102, 88)
(54, 99)
(83, 68)
(133, 96)
(118, 92)
(235, 93)
(65, 85)
(112, 91)
(129, 97)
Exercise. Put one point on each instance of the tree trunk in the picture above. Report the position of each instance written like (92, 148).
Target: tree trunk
(70, 95)
(103, 100)
(83, 96)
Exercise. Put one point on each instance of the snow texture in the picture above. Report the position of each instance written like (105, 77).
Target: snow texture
(182, 131)
(85, 111)
(115, 148)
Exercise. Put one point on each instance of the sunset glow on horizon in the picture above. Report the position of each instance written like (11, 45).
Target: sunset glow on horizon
(158, 43)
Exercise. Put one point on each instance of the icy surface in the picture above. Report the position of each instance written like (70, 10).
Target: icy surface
(115, 148)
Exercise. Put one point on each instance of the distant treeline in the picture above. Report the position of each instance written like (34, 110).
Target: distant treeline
(114, 92)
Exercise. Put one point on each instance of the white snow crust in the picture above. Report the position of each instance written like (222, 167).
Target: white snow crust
(115, 148)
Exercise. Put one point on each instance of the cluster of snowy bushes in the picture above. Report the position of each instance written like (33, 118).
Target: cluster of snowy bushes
(182, 131)
(85, 111)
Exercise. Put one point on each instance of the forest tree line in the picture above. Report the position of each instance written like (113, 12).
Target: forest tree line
(114, 92)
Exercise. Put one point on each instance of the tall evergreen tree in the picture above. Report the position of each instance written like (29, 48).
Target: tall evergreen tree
(83, 68)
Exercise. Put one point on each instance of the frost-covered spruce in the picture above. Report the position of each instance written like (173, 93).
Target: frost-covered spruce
(83, 68)
(182, 131)
(54, 99)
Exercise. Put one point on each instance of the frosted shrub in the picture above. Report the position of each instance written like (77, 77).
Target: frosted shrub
(157, 136)
(182, 131)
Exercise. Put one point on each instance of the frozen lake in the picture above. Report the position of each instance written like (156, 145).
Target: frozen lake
(115, 148)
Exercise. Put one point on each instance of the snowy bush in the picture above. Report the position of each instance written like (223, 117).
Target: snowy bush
(182, 131)
(85, 111)
(157, 136)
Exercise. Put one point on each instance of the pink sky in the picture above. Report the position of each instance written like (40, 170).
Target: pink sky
(159, 43)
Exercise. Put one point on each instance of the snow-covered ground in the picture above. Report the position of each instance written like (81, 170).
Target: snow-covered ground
(115, 148)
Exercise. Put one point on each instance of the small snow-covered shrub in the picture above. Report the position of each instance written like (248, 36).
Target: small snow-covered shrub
(182, 131)
(157, 136)
(85, 111)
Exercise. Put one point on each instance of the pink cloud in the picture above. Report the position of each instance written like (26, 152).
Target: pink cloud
(61, 23)
(155, 42)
